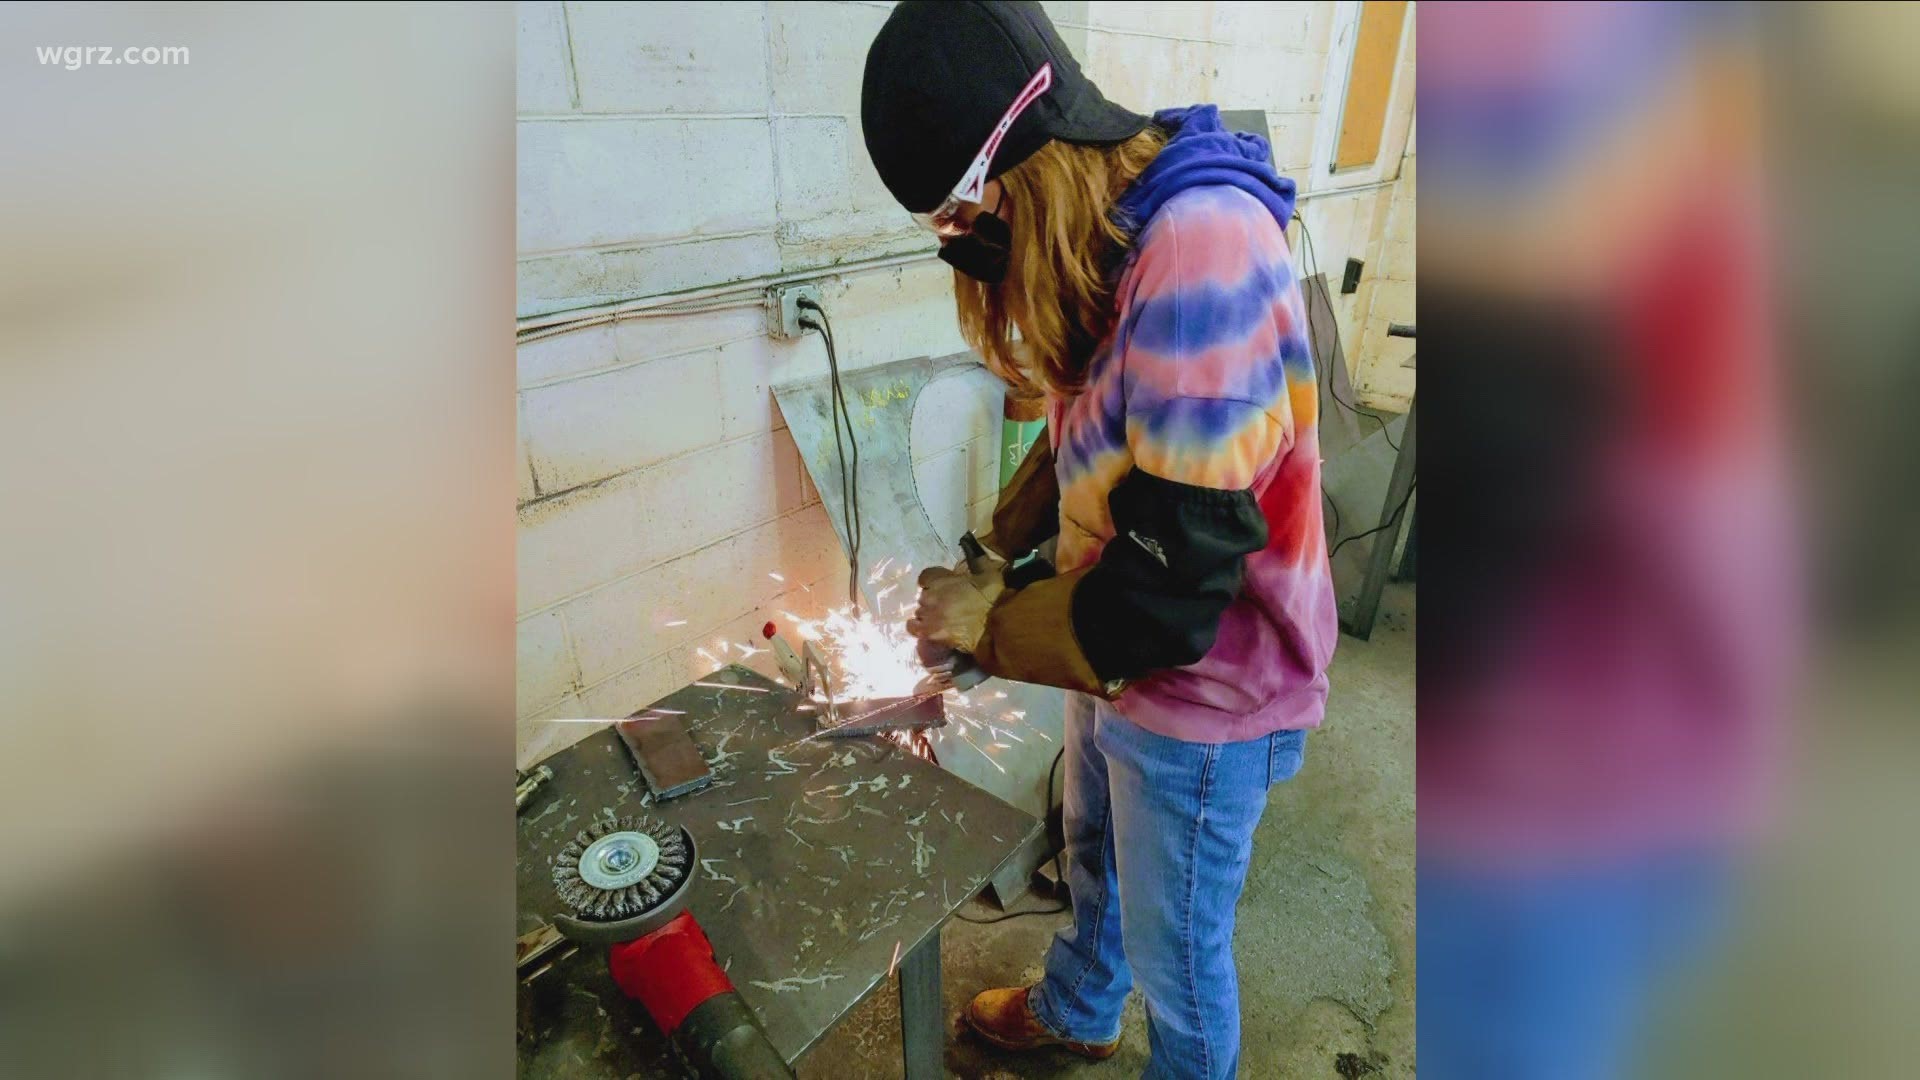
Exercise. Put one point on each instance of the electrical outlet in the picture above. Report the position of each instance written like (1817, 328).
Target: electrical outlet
(783, 308)
(1351, 283)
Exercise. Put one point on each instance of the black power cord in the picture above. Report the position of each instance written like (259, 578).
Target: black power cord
(1387, 524)
(849, 490)
(1058, 874)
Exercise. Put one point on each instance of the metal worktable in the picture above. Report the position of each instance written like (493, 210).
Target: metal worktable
(821, 862)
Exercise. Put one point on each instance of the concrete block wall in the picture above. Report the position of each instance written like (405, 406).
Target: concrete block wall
(664, 513)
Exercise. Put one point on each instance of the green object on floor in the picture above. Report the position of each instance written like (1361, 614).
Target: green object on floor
(1015, 438)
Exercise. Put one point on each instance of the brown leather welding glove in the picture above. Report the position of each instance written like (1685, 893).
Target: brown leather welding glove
(1030, 638)
(1029, 508)
(1154, 599)
(954, 604)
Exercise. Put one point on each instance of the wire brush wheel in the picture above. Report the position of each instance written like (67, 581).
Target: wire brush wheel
(620, 868)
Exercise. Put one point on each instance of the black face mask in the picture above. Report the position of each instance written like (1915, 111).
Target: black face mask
(982, 253)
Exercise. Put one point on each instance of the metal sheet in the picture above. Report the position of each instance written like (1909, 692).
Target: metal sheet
(1356, 457)
(882, 401)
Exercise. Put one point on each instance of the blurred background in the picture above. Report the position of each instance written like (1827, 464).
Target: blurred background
(1666, 697)
(256, 547)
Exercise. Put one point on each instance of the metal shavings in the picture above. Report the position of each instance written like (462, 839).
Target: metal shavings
(776, 761)
(734, 825)
(798, 837)
(732, 686)
(735, 896)
(922, 852)
(917, 818)
(744, 802)
(792, 983)
(722, 755)
(845, 853)
(707, 866)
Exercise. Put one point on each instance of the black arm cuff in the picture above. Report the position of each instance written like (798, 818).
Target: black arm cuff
(1176, 562)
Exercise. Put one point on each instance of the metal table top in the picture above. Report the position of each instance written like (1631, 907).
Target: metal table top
(821, 862)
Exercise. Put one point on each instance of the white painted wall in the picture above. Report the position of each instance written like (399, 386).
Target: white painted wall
(672, 147)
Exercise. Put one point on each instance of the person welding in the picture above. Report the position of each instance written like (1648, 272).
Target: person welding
(1135, 271)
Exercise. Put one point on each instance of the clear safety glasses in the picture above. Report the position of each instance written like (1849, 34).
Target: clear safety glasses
(945, 219)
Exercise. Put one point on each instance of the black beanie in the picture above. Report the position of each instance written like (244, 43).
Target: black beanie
(940, 76)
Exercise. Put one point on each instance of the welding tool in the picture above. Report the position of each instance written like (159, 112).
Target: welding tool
(949, 667)
(627, 882)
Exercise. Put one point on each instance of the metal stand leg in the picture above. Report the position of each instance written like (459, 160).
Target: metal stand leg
(1379, 562)
(922, 1028)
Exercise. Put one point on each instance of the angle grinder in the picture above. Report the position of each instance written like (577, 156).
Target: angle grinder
(627, 882)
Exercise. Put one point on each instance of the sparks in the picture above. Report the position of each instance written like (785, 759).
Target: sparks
(731, 686)
(776, 577)
(895, 963)
(678, 622)
(869, 658)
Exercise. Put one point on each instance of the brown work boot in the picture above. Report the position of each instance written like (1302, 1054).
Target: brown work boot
(1003, 1019)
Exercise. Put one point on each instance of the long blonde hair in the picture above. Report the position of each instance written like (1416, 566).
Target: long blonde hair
(1058, 292)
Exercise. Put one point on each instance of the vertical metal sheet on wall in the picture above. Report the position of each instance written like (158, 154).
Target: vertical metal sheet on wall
(895, 524)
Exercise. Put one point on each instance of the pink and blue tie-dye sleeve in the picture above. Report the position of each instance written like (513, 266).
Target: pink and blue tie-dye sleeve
(1211, 335)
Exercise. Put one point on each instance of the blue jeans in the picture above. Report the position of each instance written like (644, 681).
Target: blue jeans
(1159, 833)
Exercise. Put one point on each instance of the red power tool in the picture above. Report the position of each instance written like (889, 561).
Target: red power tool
(627, 881)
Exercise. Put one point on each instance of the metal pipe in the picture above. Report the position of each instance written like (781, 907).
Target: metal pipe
(749, 288)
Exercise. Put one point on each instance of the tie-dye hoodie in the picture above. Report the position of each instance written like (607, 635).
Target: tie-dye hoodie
(1193, 581)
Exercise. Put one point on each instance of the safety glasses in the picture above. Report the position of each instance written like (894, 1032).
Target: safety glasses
(945, 219)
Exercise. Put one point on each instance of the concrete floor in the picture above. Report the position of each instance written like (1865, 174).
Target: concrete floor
(1326, 925)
